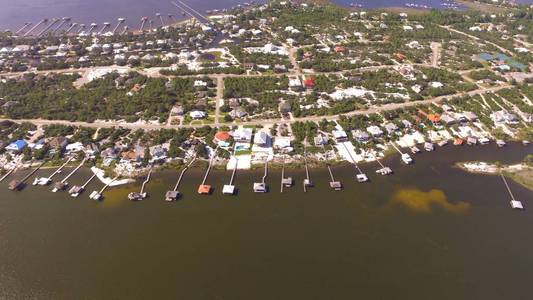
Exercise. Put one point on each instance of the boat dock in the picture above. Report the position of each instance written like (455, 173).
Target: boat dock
(175, 194)
(261, 187)
(17, 185)
(63, 184)
(361, 177)
(75, 191)
(98, 195)
(307, 180)
(336, 185)
(384, 170)
(229, 189)
(285, 181)
(142, 194)
(48, 180)
(406, 158)
(7, 174)
(514, 203)
(205, 189)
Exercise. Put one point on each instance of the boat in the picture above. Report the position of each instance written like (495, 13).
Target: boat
(525, 142)
(384, 171)
(458, 142)
(172, 196)
(471, 141)
(287, 182)
(95, 196)
(500, 143)
(415, 150)
(41, 181)
(362, 177)
(308, 183)
(429, 146)
(406, 158)
(136, 196)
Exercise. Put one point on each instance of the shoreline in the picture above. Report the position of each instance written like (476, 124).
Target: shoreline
(521, 173)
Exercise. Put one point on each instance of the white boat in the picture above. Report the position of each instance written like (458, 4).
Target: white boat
(429, 147)
(442, 143)
(406, 158)
(260, 187)
(484, 141)
(500, 143)
(41, 181)
(384, 171)
(415, 150)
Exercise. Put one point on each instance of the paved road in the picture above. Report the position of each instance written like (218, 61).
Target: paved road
(383, 108)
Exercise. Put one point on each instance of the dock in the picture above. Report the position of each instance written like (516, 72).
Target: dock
(75, 191)
(384, 170)
(63, 184)
(98, 195)
(406, 158)
(307, 180)
(142, 194)
(261, 187)
(17, 185)
(360, 176)
(285, 181)
(174, 194)
(229, 189)
(205, 189)
(7, 174)
(48, 180)
(336, 185)
(514, 203)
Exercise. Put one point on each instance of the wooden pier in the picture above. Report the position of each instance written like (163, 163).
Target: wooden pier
(63, 184)
(7, 174)
(75, 191)
(142, 194)
(17, 185)
(48, 180)
(307, 181)
(285, 182)
(336, 185)
(360, 176)
(384, 170)
(261, 187)
(229, 189)
(174, 194)
(205, 189)
(406, 158)
(514, 203)
(98, 195)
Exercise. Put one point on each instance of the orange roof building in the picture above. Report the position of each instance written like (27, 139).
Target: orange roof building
(222, 136)
(434, 118)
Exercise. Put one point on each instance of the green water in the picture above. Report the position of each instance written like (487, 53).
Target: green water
(427, 232)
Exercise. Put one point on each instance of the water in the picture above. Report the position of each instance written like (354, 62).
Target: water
(13, 14)
(368, 241)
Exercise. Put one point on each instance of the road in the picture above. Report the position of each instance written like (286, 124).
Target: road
(133, 126)
(435, 57)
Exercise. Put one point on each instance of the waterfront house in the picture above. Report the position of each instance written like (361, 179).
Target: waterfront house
(283, 144)
(261, 139)
(391, 128)
(339, 135)
(360, 136)
(222, 138)
(74, 147)
(321, 140)
(375, 131)
(447, 119)
(58, 143)
(503, 117)
(17, 146)
(243, 135)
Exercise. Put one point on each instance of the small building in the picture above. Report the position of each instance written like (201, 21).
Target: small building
(340, 135)
(243, 135)
(197, 114)
(58, 143)
(261, 139)
(375, 131)
(321, 140)
(17, 146)
(360, 136)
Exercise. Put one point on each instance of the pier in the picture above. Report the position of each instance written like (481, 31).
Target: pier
(63, 184)
(142, 194)
(514, 203)
(336, 185)
(54, 21)
(205, 189)
(261, 187)
(361, 177)
(48, 180)
(307, 180)
(98, 195)
(75, 191)
(285, 182)
(175, 194)
(17, 185)
(7, 174)
(384, 170)
(229, 189)
(35, 27)
(406, 158)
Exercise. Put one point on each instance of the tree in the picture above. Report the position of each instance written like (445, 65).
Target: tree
(147, 157)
